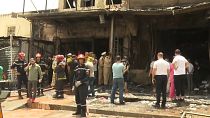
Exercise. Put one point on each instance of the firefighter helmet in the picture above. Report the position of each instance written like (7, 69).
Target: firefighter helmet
(38, 55)
(21, 55)
(69, 54)
(59, 57)
(80, 56)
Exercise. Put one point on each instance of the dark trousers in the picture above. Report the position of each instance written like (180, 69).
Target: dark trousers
(21, 80)
(59, 87)
(32, 88)
(161, 85)
(117, 83)
(71, 78)
(179, 81)
(190, 82)
(81, 93)
(96, 77)
(91, 86)
(40, 87)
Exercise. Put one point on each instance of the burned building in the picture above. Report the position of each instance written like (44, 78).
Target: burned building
(137, 28)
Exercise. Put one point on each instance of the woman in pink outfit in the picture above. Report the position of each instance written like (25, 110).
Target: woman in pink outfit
(172, 87)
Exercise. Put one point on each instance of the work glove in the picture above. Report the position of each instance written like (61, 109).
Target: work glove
(73, 88)
(77, 83)
(153, 81)
(40, 80)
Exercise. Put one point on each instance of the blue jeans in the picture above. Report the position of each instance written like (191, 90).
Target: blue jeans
(91, 84)
(117, 83)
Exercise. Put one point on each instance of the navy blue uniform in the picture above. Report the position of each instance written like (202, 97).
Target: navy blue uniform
(81, 92)
(21, 74)
(40, 86)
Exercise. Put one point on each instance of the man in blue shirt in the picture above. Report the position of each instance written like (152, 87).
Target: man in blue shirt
(118, 80)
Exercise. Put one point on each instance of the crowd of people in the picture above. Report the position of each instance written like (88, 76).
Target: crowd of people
(82, 72)
(178, 76)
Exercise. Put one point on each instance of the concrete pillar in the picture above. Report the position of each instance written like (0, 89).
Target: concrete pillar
(57, 44)
(31, 43)
(79, 4)
(111, 39)
(61, 5)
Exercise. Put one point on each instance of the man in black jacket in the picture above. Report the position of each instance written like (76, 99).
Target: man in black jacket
(19, 65)
(81, 86)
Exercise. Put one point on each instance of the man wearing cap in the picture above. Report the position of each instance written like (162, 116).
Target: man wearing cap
(160, 75)
(43, 65)
(100, 69)
(19, 65)
(180, 66)
(91, 78)
(68, 62)
(81, 86)
(34, 76)
(107, 70)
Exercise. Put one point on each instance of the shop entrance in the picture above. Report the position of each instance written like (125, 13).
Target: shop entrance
(81, 46)
(192, 42)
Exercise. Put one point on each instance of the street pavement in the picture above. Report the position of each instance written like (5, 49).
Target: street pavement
(39, 113)
(47, 107)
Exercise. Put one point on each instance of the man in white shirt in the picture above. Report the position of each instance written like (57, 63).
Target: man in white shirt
(180, 66)
(160, 75)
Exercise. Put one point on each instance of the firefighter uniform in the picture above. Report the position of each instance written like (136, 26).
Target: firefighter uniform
(21, 75)
(43, 66)
(81, 87)
(60, 77)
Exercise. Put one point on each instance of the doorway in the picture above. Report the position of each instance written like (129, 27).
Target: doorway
(193, 44)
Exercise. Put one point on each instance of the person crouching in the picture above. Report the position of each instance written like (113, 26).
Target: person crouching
(60, 77)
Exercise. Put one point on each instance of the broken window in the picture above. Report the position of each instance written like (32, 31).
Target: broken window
(88, 3)
(70, 4)
(109, 2)
(11, 30)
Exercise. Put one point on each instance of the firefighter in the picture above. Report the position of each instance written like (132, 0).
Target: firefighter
(60, 77)
(43, 66)
(20, 64)
(72, 65)
(81, 86)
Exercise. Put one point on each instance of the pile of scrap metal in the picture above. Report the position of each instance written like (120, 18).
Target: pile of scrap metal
(203, 88)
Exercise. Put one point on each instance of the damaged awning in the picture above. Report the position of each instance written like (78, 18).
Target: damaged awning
(175, 10)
